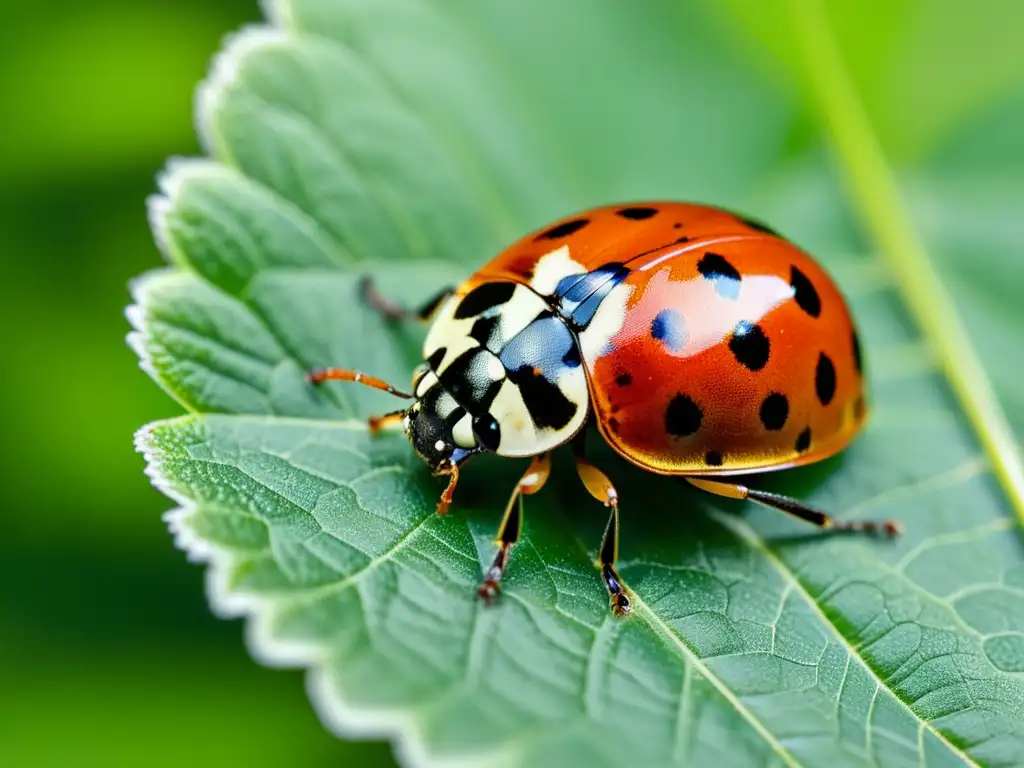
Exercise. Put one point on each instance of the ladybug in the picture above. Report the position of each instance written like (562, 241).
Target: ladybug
(699, 343)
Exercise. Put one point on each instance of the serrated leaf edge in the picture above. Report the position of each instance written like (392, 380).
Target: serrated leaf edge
(338, 715)
(136, 338)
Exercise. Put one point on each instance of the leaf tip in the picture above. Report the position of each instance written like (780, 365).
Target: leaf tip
(224, 72)
(278, 12)
(171, 182)
(136, 338)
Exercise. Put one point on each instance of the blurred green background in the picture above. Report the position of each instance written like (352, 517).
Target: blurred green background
(110, 654)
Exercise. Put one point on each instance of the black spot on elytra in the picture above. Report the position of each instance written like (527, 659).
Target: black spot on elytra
(683, 239)
(825, 379)
(624, 379)
(774, 411)
(713, 459)
(564, 229)
(483, 331)
(613, 424)
(487, 431)
(858, 361)
(548, 407)
(724, 275)
(677, 225)
(683, 416)
(804, 292)
(803, 440)
(637, 214)
(755, 224)
(436, 357)
(750, 346)
(484, 297)
(669, 328)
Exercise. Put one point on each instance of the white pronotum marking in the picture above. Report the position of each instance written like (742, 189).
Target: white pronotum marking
(607, 321)
(552, 267)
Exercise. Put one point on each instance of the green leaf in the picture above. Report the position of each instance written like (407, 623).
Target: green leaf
(413, 142)
(917, 85)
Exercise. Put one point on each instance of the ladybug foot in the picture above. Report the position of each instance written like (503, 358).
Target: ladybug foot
(621, 604)
(888, 528)
(489, 591)
(618, 599)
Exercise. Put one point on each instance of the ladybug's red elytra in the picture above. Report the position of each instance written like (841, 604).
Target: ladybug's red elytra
(698, 342)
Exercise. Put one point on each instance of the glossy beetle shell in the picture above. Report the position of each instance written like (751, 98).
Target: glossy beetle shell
(710, 344)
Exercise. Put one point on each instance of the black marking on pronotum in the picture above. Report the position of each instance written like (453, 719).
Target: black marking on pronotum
(750, 346)
(564, 229)
(858, 361)
(755, 224)
(487, 431)
(682, 416)
(669, 328)
(484, 297)
(713, 459)
(774, 411)
(468, 379)
(825, 379)
(725, 276)
(548, 406)
(434, 361)
(637, 213)
(803, 440)
(485, 329)
(804, 292)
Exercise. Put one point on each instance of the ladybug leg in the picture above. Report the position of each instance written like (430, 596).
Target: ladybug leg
(342, 374)
(600, 487)
(512, 524)
(394, 311)
(377, 423)
(794, 507)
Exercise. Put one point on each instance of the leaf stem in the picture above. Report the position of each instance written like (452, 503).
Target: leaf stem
(876, 194)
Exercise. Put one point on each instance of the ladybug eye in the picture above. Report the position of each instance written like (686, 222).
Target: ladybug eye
(487, 432)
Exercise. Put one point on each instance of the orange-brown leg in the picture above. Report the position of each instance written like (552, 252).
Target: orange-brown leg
(446, 497)
(794, 507)
(375, 423)
(343, 374)
(393, 311)
(600, 487)
(512, 524)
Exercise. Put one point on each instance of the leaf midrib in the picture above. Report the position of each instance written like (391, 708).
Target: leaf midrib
(755, 542)
(741, 530)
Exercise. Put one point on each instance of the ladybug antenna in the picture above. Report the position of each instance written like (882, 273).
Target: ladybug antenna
(342, 374)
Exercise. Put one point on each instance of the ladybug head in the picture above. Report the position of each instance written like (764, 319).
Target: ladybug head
(429, 425)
